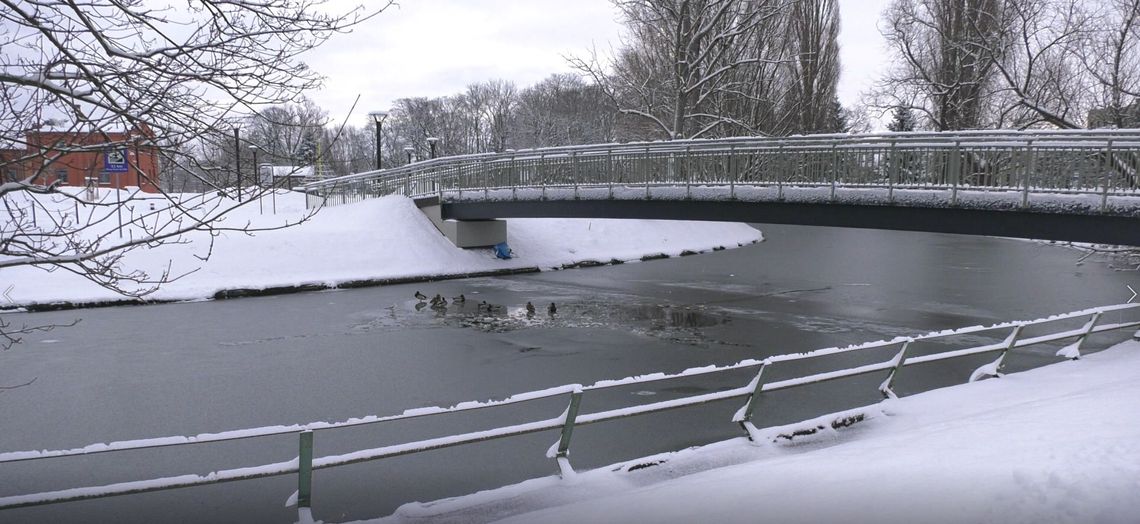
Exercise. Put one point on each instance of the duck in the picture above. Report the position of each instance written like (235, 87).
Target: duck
(420, 296)
(459, 299)
(552, 309)
(529, 309)
(484, 306)
(435, 300)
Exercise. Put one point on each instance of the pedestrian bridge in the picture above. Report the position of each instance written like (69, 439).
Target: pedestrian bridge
(1072, 185)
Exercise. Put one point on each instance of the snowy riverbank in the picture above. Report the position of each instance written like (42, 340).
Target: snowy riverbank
(379, 240)
(1054, 444)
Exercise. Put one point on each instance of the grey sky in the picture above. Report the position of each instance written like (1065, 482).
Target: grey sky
(438, 47)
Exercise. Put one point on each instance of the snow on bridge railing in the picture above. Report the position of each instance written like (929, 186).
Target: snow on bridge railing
(1095, 162)
(570, 418)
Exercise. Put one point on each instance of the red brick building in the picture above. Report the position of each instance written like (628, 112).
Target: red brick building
(114, 159)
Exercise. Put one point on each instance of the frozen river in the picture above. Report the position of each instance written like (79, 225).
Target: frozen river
(183, 369)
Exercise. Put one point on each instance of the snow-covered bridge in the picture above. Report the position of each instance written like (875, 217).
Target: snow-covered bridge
(1078, 185)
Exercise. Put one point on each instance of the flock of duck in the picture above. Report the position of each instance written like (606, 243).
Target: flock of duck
(439, 303)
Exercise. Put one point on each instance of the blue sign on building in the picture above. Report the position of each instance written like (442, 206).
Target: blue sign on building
(115, 161)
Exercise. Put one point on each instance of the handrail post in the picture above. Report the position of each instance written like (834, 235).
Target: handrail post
(515, 171)
(744, 415)
(1107, 178)
(575, 171)
(779, 178)
(543, 173)
(728, 172)
(834, 169)
(892, 173)
(486, 180)
(955, 171)
(647, 172)
(1073, 351)
(686, 167)
(888, 386)
(993, 369)
(610, 170)
(563, 454)
(1028, 170)
(305, 470)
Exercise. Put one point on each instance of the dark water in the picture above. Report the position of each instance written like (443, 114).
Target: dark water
(184, 369)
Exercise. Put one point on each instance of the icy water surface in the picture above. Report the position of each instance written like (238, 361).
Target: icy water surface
(183, 369)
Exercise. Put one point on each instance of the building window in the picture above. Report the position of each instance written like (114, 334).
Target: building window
(104, 177)
(61, 175)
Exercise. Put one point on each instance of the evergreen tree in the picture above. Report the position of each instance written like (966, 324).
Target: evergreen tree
(903, 120)
(839, 123)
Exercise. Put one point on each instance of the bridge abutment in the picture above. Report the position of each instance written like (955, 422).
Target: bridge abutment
(464, 233)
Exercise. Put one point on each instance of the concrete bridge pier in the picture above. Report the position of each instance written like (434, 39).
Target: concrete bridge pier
(464, 233)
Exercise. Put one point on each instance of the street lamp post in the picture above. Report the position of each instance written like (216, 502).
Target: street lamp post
(257, 179)
(237, 162)
(431, 143)
(378, 117)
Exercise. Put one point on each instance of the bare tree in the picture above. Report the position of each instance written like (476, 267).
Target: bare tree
(679, 59)
(283, 132)
(941, 66)
(126, 74)
(814, 69)
(1111, 55)
(1036, 55)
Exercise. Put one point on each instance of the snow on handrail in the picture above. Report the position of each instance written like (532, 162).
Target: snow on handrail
(435, 170)
(563, 421)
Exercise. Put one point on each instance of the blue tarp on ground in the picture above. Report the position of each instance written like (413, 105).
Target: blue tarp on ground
(502, 250)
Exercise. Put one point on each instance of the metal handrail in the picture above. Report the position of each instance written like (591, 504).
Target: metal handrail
(1102, 162)
(305, 463)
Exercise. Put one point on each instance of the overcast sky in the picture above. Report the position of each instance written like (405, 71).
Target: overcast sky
(437, 47)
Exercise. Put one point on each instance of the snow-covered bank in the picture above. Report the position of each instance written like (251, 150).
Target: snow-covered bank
(381, 239)
(1055, 444)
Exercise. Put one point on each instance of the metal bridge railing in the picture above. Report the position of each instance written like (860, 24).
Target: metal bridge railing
(1102, 163)
(904, 355)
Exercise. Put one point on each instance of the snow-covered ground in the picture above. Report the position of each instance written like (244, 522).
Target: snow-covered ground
(1054, 444)
(385, 238)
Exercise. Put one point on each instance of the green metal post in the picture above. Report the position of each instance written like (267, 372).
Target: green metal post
(305, 471)
(745, 418)
(1012, 341)
(887, 388)
(1074, 351)
(568, 425)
